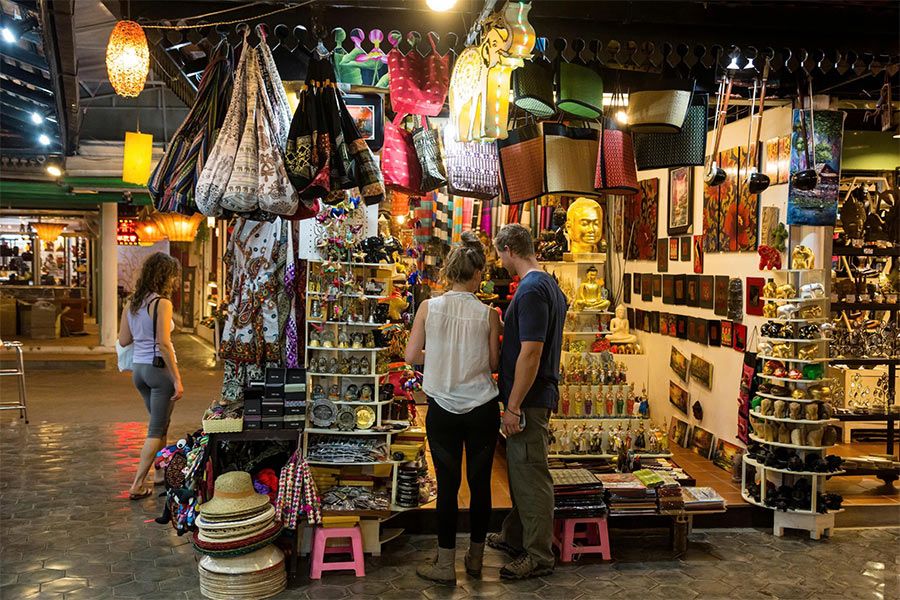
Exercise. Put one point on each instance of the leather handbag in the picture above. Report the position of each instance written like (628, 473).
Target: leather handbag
(570, 159)
(533, 88)
(579, 90)
(660, 107)
(473, 168)
(687, 148)
(521, 159)
(427, 142)
(400, 164)
(616, 171)
(418, 83)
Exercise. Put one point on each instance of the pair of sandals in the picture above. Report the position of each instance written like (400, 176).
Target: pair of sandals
(146, 491)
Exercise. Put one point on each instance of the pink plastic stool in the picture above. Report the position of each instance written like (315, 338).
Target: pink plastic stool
(596, 535)
(318, 551)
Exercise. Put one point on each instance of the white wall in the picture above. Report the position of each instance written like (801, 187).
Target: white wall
(720, 402)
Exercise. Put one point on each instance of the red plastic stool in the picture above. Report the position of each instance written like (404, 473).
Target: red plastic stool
(318, 551)
(596, 536)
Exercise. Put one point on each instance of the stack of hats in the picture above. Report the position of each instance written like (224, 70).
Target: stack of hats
(235, 531)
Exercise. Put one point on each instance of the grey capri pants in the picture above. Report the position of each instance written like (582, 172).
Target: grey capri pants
(157, 390)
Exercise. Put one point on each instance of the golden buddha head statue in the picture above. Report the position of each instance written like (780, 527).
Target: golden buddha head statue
(591, 275)
(584, 225)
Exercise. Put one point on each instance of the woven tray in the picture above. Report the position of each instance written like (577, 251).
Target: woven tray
(223, 425)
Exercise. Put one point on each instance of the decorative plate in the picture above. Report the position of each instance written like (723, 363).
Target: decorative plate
(346, 418)
(365, 417)
(323, 412)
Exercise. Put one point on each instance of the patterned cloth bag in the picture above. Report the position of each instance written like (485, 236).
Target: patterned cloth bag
(522, 165)
(473, 168)
(418, 83)
(400, 164)
(427, 142)
(616, 172)
(241, 194)
(274, 190)
(216, 172)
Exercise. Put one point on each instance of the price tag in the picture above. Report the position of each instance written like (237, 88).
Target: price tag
(892, 298)
(850, 298)
(864, 298)
(834, 297)
(856, 243)
(868, 250)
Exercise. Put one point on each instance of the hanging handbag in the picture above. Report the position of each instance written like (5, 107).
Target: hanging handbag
(687, 148)
(747, 387)
(616, 171)
(521, 159)
(241, 195)
(418, 83)
(579, 90)
(217, 171)
(427, 142)
(473, 168)
(570, 159)
(364, 169)
(533, 87)
(660, 107)
(400, 164)
(274, 191)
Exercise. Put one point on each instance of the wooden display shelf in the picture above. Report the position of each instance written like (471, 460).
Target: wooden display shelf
(794, 360)
(791, 270)
(759, 465)
(324, 349)
(798, 300)
(759, 415)
(795, 511)
(758, 439)
(864, 306)
(789, 398)
(788, 379)
(865, 251)
(795, 340)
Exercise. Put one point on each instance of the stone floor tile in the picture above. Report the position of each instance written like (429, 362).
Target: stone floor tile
(485, 589)
(136, 589)
(65, 584)
(327, 592)
(40, 576)
(558, 592)
(445, 592)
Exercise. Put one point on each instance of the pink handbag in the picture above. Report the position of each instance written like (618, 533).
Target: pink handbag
(418, 83)
(400, 163)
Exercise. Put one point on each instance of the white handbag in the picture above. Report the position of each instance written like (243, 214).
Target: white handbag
(125, 356)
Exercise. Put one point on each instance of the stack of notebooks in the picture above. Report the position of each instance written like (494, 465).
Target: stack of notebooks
(577, 494)
(670, 498)
(628, 495)
(702, 498)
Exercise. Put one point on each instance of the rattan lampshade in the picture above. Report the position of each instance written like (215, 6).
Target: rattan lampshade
(179, 227)
(47, 232)
(127, 59)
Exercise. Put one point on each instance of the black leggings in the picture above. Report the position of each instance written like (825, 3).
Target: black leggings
(447, 434)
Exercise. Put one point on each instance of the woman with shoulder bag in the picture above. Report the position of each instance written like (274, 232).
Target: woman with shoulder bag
(147, 323)
(458, 340)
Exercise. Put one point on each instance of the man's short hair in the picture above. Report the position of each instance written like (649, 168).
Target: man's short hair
(516, 238)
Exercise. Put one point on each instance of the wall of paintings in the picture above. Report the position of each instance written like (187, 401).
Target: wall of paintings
(679, 298)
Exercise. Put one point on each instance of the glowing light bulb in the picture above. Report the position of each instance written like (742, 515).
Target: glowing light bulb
(54, 170)
(8, 36)
(733, 64)
(36, 118)
(44, 139)
(440, 5)
(621, 117)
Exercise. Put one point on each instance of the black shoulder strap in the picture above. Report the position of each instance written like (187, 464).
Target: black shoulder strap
(155, 315)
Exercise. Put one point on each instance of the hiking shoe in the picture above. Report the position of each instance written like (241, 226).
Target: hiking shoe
(442, 569)
(524, 567)
(496, 541)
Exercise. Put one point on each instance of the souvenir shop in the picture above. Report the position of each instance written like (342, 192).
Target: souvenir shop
(732, 291)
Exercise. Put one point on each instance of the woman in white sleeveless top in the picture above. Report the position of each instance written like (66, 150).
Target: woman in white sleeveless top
(458, 340)
(155, 371)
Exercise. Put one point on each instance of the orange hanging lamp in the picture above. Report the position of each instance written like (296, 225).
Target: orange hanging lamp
(127, 59)
(148, 231)
(47, 232)
(179, 227)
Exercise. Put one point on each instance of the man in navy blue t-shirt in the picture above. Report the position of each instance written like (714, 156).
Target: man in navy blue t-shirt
(528, 380)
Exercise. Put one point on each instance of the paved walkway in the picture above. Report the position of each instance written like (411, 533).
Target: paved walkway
(68, 531)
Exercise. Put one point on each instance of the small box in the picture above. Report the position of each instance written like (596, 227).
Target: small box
(272, 409)
(252, 406)
(252, 422)
(273, 423)
(295, 388)
(253, 393)
(292, 407)
(275, 376)
(295, 376)
(293, 424)
(274, 392)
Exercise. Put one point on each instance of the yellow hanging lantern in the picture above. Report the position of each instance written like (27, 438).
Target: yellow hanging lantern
(127, 59)
(179, 227)
(138, 154)
(148, 231)
(47, 232)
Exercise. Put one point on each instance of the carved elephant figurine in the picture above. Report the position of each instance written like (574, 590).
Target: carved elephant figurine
(819, 392)
(795, 410)
(802, 258)
(781, 350)
(787, 311)
(798, 435)
(808, 352)
(764, 348)
(770, 310)
(768, 290)
(766, 406)
(780, 408)
(769, 258)
(798, 394)
(813, 311)
(814, 436)
(812, 411)
(785, 290)
(784, 434)
(812, 290)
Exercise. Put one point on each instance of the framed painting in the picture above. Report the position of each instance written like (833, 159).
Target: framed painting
(771, 165)
(686, 249)
(636, 288)
(662, 256)
(817, 206)
(754, 296)
(626, 288)
(657, 286)
(707, 293)
(678, 397)
(641, 214)
(671, 327)
(701, 442)
(721, 295)
(654, 321)
(673, 249)
(368, 114)
(663, 326)
(668, 289)
(631, 318)
(639, 319)
(739, 332)
(701, 371)
(680, 290)
(784, 159)
(714, 326)
(726, 334)
(647, 288)
(712, 218)
(698, 254)
(681, 201)
(678, 431)
(694, 329)
(692, 282)
(724, 455)
(681, 322)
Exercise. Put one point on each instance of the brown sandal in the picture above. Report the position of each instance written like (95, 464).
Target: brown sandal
(143, 494)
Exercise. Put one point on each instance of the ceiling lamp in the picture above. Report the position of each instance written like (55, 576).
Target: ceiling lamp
(148, 231)
(179, 227)
(47, 232)
(138, 153)
(440, 5)
(127, 59)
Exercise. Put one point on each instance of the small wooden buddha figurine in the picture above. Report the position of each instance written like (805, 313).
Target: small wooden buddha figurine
(591, 293)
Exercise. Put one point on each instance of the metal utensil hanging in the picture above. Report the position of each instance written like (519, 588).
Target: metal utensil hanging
(716, 175)
(808, 178)
(757, 181)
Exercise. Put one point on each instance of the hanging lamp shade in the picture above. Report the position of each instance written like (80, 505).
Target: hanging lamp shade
(138, 154)
(148, 231)
(179, 227)
(127, 59)
(47, 232)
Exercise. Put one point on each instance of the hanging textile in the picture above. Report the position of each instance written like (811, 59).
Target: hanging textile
(172, 182)
(290, 286)
(297, 494)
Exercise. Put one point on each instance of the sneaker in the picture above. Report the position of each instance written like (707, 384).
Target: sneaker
(496, 541)
(523, 568)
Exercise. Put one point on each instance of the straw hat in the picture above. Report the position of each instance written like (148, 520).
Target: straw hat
(266, 515)
(234, 495)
